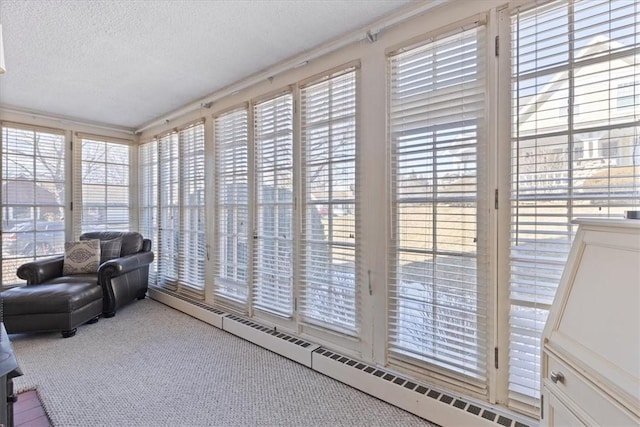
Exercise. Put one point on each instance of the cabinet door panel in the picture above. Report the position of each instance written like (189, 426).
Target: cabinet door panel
(558, 414)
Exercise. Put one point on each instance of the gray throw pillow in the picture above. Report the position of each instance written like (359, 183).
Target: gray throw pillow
(110, 249)
(81, 257)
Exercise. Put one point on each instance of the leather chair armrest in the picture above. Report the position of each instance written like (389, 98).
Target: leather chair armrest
(117, 266)
(109, 272)
(39, 271)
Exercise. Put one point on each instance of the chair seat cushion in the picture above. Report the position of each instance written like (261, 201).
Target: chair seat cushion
(50, 298)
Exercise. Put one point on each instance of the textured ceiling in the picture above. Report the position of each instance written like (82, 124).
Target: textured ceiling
(127, 62)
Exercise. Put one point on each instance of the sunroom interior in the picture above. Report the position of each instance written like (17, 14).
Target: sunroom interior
(400, 195)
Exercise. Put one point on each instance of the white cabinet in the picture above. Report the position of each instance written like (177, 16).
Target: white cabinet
(591, 342)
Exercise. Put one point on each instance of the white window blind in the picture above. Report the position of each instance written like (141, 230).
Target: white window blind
(169, 211)
(192, 244)
(438, 287)
(273, 240)
(33, 197)
(101, 182)
(148, 204)
(174, 178)
(329, 296)
(232, 205)
(575, 152)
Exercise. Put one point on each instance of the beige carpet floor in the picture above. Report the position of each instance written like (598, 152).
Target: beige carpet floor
(151, 365)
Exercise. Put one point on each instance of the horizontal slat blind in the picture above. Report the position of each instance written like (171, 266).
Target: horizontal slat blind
(575, 152)
(192, 252)
(329, 296)
(169, 215)
(33, 197)
(232, 205)
(273, 269)
(437, 292)
(148, 204)
(101, 198)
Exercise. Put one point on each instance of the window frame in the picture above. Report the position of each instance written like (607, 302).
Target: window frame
(576, 126)
(148, 205)
(166, 195)
(475, 28)
(233, 291)
(39, 215)
(349, 336)
(278, 123)
(79, 217)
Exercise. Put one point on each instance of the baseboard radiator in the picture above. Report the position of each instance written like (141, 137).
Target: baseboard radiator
(432, 404)
(193, 308)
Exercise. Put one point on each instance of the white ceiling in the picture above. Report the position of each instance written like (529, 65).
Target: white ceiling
(127, 62)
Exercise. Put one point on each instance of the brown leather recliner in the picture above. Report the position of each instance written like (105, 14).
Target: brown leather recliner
(122, 279)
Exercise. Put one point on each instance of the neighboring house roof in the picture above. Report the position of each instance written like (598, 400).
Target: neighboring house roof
(598, 45)
(26, 193)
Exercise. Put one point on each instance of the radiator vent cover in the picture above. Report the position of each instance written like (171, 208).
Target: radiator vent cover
(444, 398)
(271, 331)
(190, 300)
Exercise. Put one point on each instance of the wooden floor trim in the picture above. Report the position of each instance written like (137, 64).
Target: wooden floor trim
(29, 412)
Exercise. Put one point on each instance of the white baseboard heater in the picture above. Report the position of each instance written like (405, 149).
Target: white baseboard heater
(437, 406)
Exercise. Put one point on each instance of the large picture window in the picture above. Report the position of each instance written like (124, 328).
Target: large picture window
(102, 200)
(273, 266)
(169, 210)
(173, 176)
(328, 272)
(574, 154)
(437, 299)
(192, 240)
(232, 205)
(33, 197)
(148, 199)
